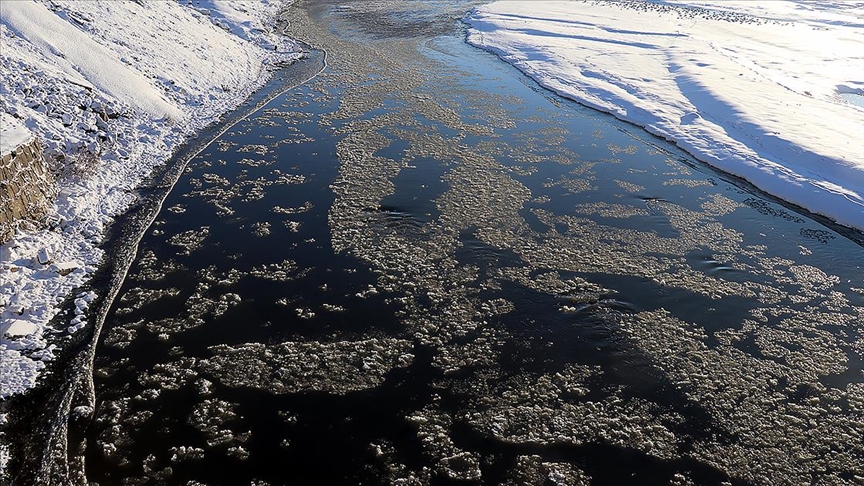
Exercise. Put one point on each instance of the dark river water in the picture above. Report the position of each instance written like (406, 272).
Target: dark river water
(421, 268)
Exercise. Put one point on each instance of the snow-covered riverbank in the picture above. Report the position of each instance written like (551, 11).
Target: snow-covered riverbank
(111, 89)
(762, 90)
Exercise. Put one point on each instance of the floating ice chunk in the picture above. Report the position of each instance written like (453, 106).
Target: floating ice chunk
(12, 134)
(18, 372)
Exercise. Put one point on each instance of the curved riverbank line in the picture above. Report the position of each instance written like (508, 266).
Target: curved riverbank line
(55, 455)
(746, 88)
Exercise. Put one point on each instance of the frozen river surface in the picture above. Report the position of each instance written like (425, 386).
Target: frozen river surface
(422, 268)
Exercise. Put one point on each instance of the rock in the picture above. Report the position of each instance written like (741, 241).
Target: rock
(17, 328)
(64, 268)
(43, 257)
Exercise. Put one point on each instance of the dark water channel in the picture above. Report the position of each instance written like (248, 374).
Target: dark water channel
(421, 268)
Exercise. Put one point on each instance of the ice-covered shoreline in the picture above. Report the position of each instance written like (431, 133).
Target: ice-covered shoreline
(111, 89)
(744, 86)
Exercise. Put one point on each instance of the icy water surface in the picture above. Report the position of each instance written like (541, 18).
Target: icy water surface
(420, 268)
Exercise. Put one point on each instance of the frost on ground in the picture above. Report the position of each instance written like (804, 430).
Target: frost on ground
(110, 89)
(749, 87)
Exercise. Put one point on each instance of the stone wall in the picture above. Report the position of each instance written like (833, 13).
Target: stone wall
(26, 188)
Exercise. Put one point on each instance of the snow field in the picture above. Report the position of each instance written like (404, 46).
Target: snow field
(755, 89)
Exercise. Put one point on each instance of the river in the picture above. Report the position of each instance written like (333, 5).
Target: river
(422, 268)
